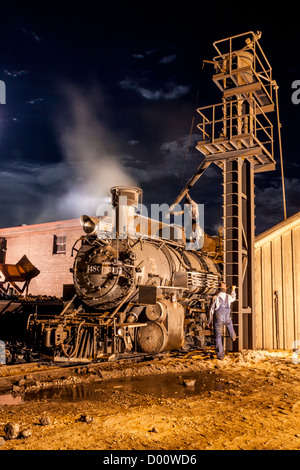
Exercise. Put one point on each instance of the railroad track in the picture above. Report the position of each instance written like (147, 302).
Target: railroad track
(31, 373)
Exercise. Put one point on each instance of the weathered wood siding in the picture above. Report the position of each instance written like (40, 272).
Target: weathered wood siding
(277, 285)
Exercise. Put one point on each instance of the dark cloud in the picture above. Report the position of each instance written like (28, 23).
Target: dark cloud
(59, 156)
(31, 34)
(169, 91)
(14, 73)
(269, 201)
(168, 59)
(138, 56)
(27, 189)
(35, 100)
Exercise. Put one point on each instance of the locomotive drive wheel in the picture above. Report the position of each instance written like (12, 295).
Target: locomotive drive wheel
(152, 338)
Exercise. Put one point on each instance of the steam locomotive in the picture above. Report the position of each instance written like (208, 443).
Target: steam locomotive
(138, 290)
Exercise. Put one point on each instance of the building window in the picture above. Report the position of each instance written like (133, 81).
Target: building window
(3, 248)
(59, 245)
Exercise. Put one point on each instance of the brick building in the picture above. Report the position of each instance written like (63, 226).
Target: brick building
(48, 247)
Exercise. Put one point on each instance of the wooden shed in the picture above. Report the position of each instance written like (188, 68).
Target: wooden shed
(277, 285)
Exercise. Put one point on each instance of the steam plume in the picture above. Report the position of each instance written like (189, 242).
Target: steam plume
(90, 153)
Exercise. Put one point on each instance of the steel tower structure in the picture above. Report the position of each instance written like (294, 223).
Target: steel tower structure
(237, 136)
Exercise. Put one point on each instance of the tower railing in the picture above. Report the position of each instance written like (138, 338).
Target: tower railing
(246, 67)
(231, 126)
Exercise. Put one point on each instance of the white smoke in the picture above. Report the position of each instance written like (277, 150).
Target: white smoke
(90, 154)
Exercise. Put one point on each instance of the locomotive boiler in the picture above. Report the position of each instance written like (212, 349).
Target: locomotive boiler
(138, 290)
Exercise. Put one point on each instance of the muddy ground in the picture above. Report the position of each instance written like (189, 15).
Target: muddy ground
(249, 401)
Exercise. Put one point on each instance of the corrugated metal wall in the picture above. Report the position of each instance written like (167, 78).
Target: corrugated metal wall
(277, 286)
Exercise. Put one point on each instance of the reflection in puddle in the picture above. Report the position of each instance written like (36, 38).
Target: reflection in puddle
(164, 386)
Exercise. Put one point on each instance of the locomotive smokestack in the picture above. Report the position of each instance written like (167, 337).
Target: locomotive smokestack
(131, 193)
(125, 200)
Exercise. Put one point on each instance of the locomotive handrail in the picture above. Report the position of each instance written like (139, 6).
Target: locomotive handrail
(68, 304)
(73, 247)
(122, 302)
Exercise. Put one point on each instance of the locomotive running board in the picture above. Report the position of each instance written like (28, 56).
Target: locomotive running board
(78, 360)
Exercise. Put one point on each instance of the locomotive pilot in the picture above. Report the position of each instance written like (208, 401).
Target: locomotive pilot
(219, 315)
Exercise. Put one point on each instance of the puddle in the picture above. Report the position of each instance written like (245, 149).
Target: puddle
(165, 386)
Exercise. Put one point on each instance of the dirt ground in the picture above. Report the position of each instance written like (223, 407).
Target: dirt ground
(256, 406)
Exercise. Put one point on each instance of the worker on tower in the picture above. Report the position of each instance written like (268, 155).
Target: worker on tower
(220, 315)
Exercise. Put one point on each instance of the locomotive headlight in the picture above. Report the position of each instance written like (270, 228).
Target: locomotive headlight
(89, 224)
(121, 332)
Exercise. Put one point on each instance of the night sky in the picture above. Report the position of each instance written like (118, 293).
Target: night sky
(103, 94)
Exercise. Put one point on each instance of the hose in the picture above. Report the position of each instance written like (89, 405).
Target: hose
(75, 350)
